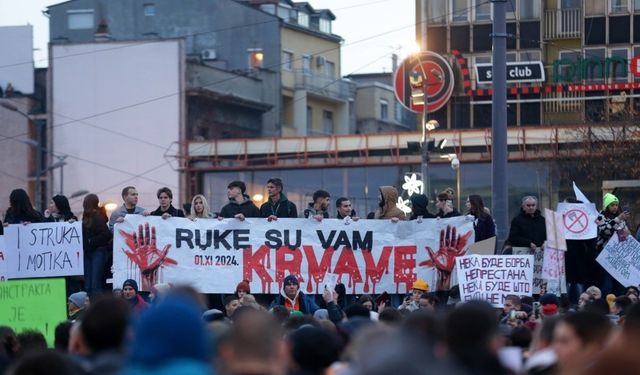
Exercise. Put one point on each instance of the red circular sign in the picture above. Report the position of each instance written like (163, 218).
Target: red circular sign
(436, 78)
(576, 221)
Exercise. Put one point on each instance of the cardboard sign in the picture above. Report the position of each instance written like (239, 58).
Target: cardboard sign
(368, 256)
(484, 247)
(579, 220)
(553, 271)
(35, 304)
(622, 260)
(493, 277)
(44, 250)
(555, 230)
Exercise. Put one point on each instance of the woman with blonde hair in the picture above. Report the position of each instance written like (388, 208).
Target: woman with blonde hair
(200, 208)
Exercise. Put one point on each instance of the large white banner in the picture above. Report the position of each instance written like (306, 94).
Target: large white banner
(622, 260)
(578, 220)
(493, 277)
(368, 256)
(44, 250)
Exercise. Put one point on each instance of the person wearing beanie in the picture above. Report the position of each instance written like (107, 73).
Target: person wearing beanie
(412, 301)
(171, 338)
(240, 204)
(243, 288)
(76, 305)
(611, 220)
(549, 305)
(130, 293)
(293, 299)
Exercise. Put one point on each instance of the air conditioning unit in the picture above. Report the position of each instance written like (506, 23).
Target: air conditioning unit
(321, 60)
(208, 54)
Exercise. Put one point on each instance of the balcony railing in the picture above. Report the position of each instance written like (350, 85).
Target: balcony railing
(563, 23)
(320, 85)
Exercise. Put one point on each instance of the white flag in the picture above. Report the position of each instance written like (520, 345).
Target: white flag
(579, 195)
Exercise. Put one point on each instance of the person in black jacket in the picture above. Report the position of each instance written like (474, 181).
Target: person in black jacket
(483, 224)
(166, 209)
(96, 238)
(240, 205)
(528, 228)
(59, 210)
(445, 206)
(277, 205)
(344, 208)
(419, 204)
(20, 209)
(318, 209)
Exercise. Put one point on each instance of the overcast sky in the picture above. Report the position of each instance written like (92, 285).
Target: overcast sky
(389, 24)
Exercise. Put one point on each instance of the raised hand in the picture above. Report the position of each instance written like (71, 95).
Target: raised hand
(452, 245)
(143, 251)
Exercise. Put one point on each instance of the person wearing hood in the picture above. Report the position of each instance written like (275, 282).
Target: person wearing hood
(387, 205)
(130, 293)
(318, 209)
(419, 203)
(76, 304)
(528, 228)
(59, 210)
(166, 209)
(277, 205)
(240, 204)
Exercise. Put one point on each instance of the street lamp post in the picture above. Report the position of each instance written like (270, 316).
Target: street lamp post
(455, 165)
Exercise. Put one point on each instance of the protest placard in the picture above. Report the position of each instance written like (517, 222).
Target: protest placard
(493, 277)
(622, 260)
(484, 247)
(33, 304)
(3, 261)
(44, 250)
(578, 220)
(368, 256)
(553, 271)
(555, 230)
(539, 284)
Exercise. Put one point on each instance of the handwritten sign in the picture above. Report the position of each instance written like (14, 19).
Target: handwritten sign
(44, 250)
(579, 220)
(622, 260)
(3, 260)
(493, 277)
(35, 304)
(555, 230)
(367, 256)
(553, 271)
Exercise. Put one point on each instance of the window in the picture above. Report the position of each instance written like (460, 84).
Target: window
(327, 121)
(303, 19)
(594, 60)
(564, 69)
(459, 10)
(436, 11)
(618, 65)
(572, 4)
(384, 109)
(636, 6)
(530, 56)
(619, 6)
(636, 52)
(80, 19)
(482, 10)
(325, 25)
(512, 56)
(284, 12)
(149, 9)
(594, 7)
(529, 9)
(256, 58)
(287, 60)
(510, 6)
(619, 29)
(306, 64)
(329, 70)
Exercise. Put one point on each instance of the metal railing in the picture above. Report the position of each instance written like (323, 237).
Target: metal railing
(321, 85)
(563, 23)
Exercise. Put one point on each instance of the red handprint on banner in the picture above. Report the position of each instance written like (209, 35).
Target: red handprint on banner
(452, 246)
(143, 251)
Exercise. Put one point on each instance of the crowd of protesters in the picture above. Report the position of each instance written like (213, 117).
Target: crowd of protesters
(592, 329)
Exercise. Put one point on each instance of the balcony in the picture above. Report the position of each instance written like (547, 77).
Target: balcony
(322, 86)
(563, 24)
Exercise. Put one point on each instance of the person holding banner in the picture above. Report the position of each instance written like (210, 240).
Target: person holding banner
(318, 209)
(240, 204)
(20, 210)
(200, 208)
(612, 220)
(277, 205)
(59, 210)
(166, 209)
(387, 208)
(129, 206)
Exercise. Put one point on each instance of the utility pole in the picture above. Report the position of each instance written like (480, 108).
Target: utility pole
(499, 151)
(424, 146)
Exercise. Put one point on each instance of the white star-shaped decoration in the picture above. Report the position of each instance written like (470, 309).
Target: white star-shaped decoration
(412, 185)
(403, 205)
